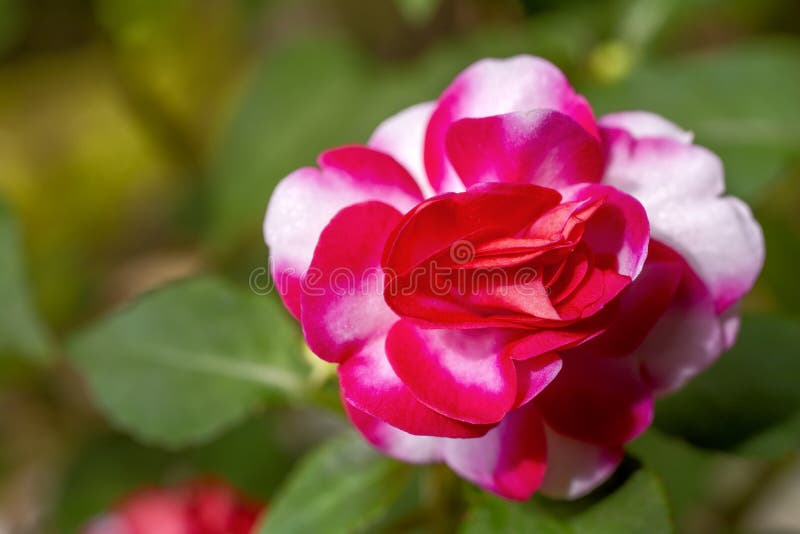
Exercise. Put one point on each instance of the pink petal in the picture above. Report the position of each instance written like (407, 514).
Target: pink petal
(574, 468)
(369, 383)
(645, 124)
(402, 136)
(719, 238)
(534, 374)
(459, 373)
(538, 147)
(679, 186)
(596, 399)
(619, 227)
(342, 299)
(546, 340)
(305, 201)
(687, 338)
(494, 87)
(394, 442)
(509, 460)
(658, 169)
(641, 305)
(730, 326)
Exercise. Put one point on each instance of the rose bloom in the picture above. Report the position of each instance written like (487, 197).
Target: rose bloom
(507, 283)
(197, 507)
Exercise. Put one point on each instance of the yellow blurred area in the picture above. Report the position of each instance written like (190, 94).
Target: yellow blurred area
(73, 162)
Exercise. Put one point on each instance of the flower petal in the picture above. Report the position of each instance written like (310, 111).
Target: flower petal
(546, 340)
(509, 460)
(641, 305)
(305, 201)
(598, 400)
(534, 374)
(719, 238)
(402, 136)
(688, 337)
(645, 124)
(394, 442)
(462, 374)
(342, 298)
(538, 147)
(619, 227)
(494, 87)
(369, 383)
(679, 186)
(574, 468)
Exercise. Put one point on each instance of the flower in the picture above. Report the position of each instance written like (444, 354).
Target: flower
(197, 507)
(505, 283)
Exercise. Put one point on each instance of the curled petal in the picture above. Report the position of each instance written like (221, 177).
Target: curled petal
(618, 228)
(534, 374)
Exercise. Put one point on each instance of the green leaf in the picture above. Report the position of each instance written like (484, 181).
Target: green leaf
(739, 101)
(684, 469)
(183, 363)
(22, 333)
(344, 486)
(494, 514)
(638, 506)
(751, 391)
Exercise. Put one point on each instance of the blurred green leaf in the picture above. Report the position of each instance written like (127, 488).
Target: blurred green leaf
(183, 363)
(342, 487)
(750, 391)
(778, 217)
(300, 102)
(683, 469)
(22, 333)
(638, 506)
(740, 101)
(12, 23)
(417, 12)
(494, 514)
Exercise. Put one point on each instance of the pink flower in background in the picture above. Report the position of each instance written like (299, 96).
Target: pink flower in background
(506, 283)
(199, 507)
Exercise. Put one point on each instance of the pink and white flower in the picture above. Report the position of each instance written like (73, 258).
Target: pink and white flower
(505, 283)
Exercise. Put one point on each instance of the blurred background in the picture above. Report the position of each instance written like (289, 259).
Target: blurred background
(140, 141)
